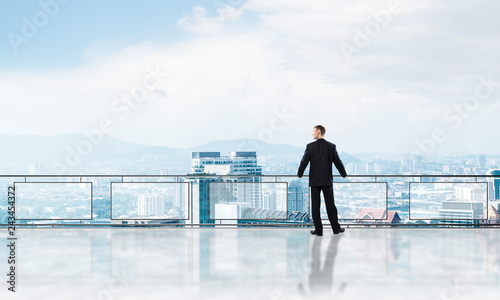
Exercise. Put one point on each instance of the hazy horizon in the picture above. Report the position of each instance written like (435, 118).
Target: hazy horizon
(250, 148)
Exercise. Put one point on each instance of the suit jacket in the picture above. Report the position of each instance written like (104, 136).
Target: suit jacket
(321, 154)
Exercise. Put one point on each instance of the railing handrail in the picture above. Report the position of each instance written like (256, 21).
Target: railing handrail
(277, 175)
(176, 177)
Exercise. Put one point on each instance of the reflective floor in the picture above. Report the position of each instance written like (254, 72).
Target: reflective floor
(253, 263)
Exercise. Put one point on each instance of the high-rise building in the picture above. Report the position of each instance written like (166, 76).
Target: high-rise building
(36, 168)
(370, 168)
(481, 161)
(201, 191)
(418, 164)
(245, 189)
(281, 197)
(151, 205)
(297, 197)
(461, 211)
(351, 168)
(496, 184)
(237, 163)
(181, 198)
(470, 194)
(267, 201)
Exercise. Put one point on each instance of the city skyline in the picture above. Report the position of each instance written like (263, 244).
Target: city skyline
(52, 155)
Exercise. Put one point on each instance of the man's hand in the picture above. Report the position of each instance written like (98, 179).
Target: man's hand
(344, 176)
(299, 176)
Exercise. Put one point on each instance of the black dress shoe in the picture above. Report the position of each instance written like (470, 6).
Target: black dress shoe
(313, 232)
(340, 231)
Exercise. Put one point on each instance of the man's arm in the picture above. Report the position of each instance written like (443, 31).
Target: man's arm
(303, 163)
(338, 163)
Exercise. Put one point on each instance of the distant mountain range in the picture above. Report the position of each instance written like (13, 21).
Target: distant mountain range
(37, 148)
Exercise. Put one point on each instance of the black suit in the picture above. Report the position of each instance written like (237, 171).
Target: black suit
(322, 154)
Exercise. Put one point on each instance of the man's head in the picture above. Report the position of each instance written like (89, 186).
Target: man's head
(318, 131)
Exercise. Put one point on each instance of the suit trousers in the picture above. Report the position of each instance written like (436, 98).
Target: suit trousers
(331, 209)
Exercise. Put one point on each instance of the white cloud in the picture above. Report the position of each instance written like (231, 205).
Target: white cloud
(229, 13)
(199, 22)
(227, 83)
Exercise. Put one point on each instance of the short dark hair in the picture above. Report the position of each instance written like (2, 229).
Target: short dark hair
(321, 128)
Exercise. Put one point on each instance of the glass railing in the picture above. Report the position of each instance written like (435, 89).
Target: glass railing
(246, 200)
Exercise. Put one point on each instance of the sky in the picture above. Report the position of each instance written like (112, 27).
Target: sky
(417, 77)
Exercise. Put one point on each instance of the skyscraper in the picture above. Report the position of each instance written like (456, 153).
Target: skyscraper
(237, 163)
(418, 164)
(481, 161)
(470, 194)
(246, 189)
(151, 205)
(496, 184)
(201, 191)
(297, 197)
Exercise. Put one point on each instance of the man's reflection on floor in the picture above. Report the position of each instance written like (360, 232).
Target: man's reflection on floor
(321, 279)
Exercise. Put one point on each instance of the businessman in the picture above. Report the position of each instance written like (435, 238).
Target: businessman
(321, 154)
